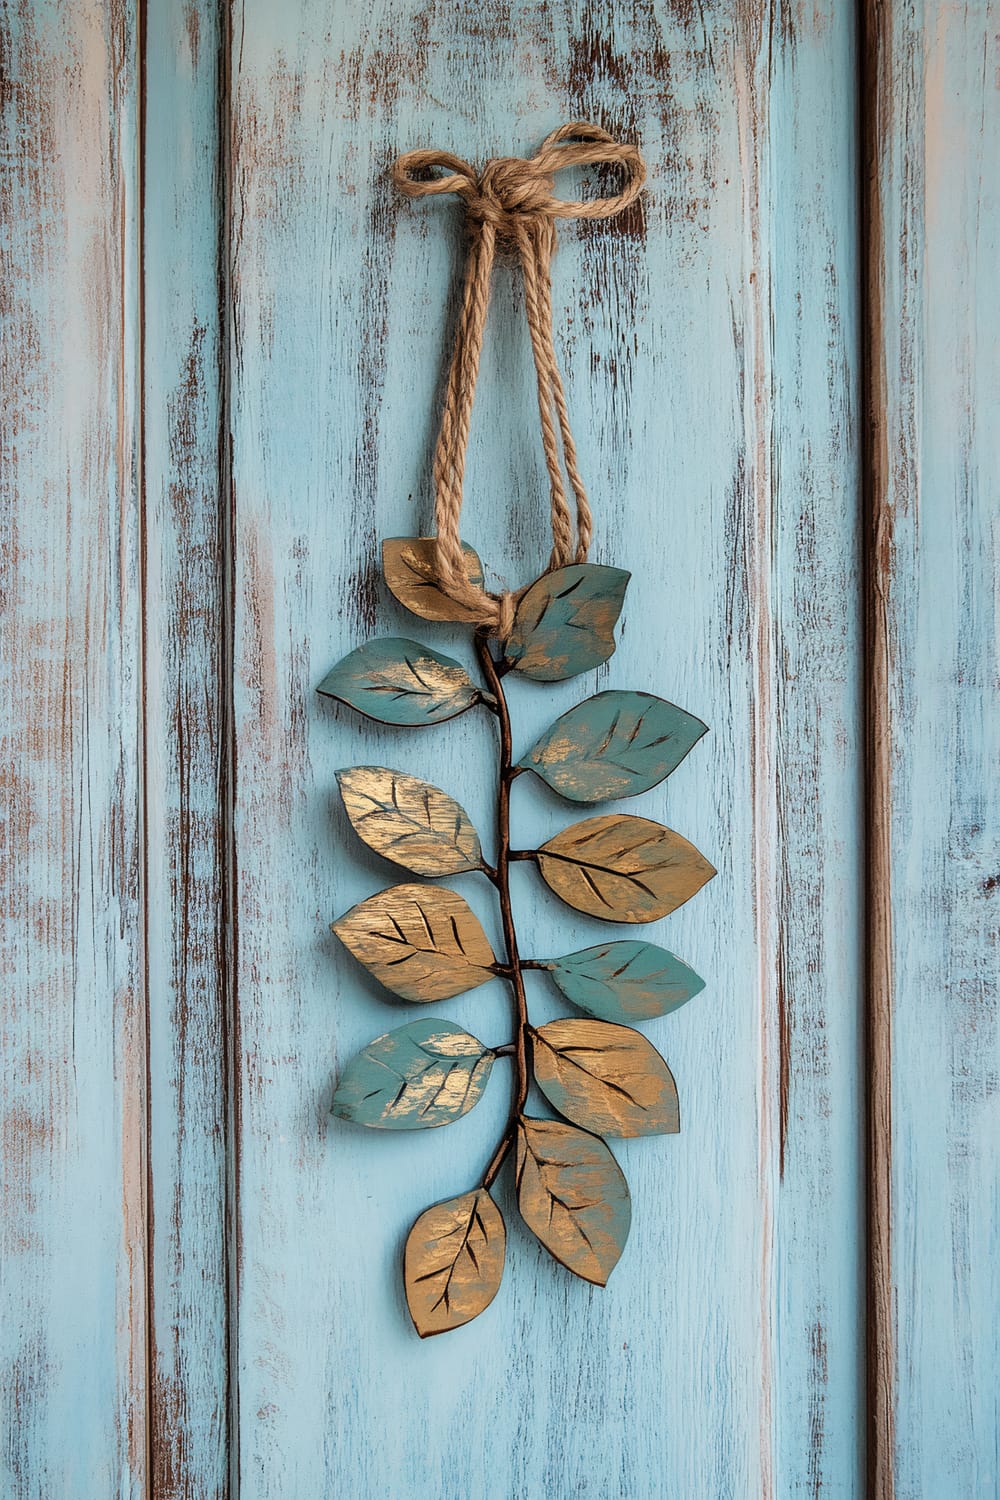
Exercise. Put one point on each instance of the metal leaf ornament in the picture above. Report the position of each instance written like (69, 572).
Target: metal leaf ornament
(423, 943)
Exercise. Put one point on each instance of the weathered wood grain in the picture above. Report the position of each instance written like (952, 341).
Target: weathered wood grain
(934, 243)
(186, 689)
(876, 82)
(709, 342)
(814, 769)
(167, 884)
(73, 1326)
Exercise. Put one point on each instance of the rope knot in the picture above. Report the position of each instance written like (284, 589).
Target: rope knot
(510, 189)
(513, 201)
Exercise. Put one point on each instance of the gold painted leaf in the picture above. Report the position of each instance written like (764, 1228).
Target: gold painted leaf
(453, 1262)
(622, 868)
(422, 942)
(414, 824)
(410, 567)
(573, 1196)
(607, 1078)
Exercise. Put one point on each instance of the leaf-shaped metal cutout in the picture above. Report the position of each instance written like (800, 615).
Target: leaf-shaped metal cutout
(565, 622)
(410, 567)
(453, 1262)
(608, 1079)
(399, 681)
(422, 942)
(625, 981)
(414, 824)
(573, 1195)
(616, 744)
(622, 868)
(424, 1074)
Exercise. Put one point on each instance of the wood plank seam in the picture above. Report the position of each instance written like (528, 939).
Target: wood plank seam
(228, 766)
(170, 1467)
(143, 767)
(226, 147)
(874, 65)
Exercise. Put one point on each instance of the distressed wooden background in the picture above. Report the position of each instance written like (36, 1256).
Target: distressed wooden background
(224, 340)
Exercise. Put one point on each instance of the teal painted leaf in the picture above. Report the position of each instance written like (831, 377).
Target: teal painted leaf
(398, 681)
(609, 1079)
(615, 744)
(625, 981)
(565, 622)
(414, 824)
(573, 1196)
(426, 1073)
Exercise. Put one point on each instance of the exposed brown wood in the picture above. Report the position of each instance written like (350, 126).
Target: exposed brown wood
(875, 79)
(149, 1288)
(182, 330)
(231, 1022)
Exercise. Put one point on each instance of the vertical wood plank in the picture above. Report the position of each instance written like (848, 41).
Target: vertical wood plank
(817, 766)
(737, 1298)
(73, 1334)
(933, 414)
(186, 690)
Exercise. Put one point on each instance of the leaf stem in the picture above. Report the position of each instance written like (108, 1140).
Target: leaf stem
(507, 772)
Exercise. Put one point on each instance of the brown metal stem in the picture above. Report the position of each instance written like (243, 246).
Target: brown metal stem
(507, 772)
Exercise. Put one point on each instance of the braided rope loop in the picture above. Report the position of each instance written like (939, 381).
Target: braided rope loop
(512, 203)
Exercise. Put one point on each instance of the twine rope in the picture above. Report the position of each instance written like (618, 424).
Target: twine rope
(512, 203)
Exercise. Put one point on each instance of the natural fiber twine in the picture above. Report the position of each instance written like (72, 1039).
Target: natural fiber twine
(511, 202)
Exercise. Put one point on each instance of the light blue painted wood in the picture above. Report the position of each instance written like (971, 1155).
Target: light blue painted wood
(709, 352)
(185, 694)
(942, 365)
(72, 1269)
(815, 768)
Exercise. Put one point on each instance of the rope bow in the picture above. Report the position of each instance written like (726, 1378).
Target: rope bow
(512, 202)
